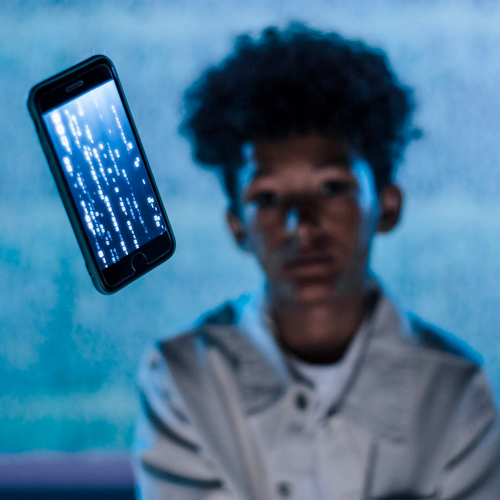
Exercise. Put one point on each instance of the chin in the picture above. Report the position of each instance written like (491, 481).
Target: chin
(311, 293)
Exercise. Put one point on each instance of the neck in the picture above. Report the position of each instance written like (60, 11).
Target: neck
(320, 332)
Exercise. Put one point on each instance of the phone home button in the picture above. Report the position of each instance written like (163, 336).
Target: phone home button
(139, 262)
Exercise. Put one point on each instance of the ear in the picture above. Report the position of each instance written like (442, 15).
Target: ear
(238, 230)
(391, 200)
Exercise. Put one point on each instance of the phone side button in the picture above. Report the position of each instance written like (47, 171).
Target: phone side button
(139, 262)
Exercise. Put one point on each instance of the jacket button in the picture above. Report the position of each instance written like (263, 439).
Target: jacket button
(301, 401)
(284, 489)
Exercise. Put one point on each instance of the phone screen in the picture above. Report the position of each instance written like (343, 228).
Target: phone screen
(105, 171)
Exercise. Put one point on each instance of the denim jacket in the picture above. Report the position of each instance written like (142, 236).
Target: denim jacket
(224, 418)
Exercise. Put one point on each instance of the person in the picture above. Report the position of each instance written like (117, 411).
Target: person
(316, 386)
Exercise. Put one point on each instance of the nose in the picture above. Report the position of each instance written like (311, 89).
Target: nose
(291, 221)
(302, 221)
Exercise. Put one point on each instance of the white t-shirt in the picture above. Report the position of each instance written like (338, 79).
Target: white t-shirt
(330, 381)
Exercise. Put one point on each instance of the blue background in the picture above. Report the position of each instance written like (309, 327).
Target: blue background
(68, 355)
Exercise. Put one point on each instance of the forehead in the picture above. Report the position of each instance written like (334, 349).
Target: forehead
(313, 150)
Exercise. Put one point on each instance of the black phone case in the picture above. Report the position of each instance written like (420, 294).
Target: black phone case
(64, 78)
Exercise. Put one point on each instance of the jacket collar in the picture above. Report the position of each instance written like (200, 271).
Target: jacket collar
(377, 396)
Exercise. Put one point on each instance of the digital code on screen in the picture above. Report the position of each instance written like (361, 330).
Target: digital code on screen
(97, 149)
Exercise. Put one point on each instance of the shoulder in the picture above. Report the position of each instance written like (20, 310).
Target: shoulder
(226, 340)
(215, 328)
(225, 315)
(431, 340)
(450, 369)
(445, 368)
(417, 380)
(163, 362)
(190, 341)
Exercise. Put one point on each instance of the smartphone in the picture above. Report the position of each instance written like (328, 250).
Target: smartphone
(100, 168)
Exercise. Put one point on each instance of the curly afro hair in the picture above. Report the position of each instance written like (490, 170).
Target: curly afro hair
(298, 81)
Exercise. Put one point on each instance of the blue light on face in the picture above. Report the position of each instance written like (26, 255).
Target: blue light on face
(105, 172)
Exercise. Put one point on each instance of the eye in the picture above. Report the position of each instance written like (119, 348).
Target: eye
(266, 199)
(330, 189)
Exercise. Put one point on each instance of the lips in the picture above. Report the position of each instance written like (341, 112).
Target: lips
(308, 262)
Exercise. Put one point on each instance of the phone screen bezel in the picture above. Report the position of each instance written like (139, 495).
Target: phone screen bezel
(60, 95)
(54, 93)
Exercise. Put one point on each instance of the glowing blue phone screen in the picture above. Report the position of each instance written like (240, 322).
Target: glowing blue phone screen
(105, 172)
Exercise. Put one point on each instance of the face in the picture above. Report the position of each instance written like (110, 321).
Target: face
(309, 210)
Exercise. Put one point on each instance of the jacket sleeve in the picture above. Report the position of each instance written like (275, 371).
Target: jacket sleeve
(473, 470)
(169, 462)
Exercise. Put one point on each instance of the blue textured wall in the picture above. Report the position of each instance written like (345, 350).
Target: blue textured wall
(67, 354)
